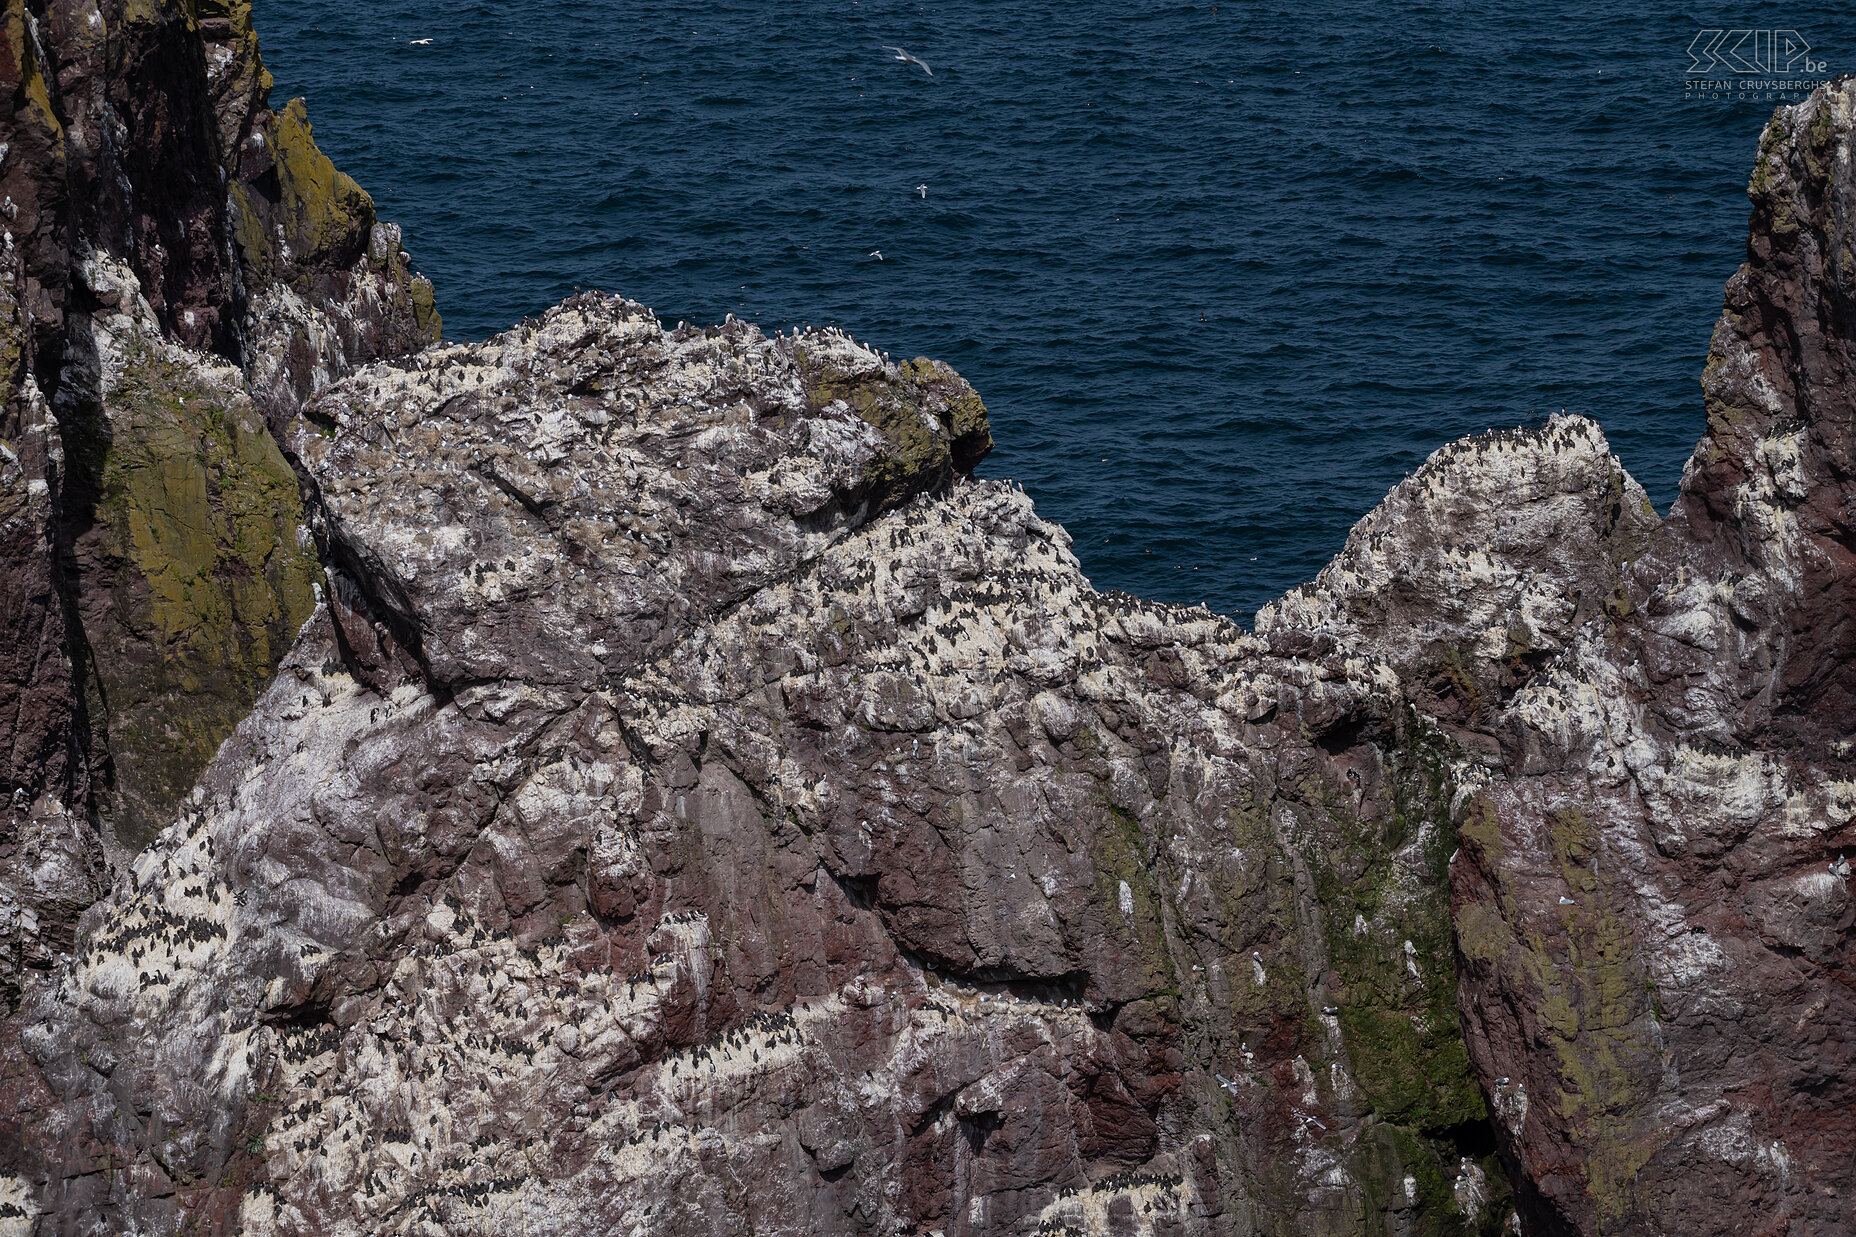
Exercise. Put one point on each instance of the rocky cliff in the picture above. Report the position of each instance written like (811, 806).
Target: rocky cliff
(180, 267)
(616, 779)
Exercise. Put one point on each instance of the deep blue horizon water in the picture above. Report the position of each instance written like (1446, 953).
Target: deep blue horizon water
(1223, 274)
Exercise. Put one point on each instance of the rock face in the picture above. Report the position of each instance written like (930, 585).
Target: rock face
(179, 265)
(1653, 908)
(610, 779)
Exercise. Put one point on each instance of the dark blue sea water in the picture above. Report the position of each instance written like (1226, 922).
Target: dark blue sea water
(1223, 273)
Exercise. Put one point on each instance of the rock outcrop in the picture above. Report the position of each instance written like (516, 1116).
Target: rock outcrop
(1653, 906)
(615, 779)
(179, 265)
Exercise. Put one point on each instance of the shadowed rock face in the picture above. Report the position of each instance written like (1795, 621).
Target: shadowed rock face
(672, 795)
(180, 264)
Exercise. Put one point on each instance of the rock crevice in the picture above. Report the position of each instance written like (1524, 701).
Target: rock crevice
(618, 779)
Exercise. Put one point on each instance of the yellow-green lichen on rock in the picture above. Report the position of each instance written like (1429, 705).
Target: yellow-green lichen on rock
(953, 402)
(17, 500)
(1589, 1000)
(13, 334)
(1256, 902)
(153, 12)
(1124, 879)
(425, 309)
(1384, 894)
(237, 12)
(201, 516)
(323, 218)
(241, 85)
(307, 230)
(934, 423)
(1596, 1006)
(22, 67)
(249, 231)
(409, 297)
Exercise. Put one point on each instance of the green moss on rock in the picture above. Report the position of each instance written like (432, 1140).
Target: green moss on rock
(1387, 884)
(200, 512)
(321, 216)
(1383, 888)
(934, 424)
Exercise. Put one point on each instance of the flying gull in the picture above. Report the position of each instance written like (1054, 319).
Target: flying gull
(908, 59)
(922, 189)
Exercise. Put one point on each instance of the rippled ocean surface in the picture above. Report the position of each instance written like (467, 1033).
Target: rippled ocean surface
(1223, 273)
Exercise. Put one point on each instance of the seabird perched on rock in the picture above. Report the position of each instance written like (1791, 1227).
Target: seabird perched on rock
(908, 59)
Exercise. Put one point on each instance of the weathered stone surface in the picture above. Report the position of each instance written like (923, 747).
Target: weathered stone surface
(127, 294)
(35, 681)
(153, 566)
(718, 778)
(688, 801)
(51, 866)
(1654, 911)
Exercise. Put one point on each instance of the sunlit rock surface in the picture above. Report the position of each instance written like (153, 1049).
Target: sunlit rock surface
(614, 779)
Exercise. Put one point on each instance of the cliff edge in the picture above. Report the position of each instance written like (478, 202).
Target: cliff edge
(619, 779)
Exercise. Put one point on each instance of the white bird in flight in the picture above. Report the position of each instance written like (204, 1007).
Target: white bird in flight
(877, 254)
(418, 42)
(922, 189)
(908, 59)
